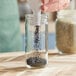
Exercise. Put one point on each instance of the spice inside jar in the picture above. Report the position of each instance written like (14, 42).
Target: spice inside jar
(65, 33)
(37, 59)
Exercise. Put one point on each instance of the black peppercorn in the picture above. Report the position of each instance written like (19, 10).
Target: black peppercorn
(36, 61)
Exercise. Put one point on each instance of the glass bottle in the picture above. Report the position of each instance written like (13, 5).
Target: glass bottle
(66, 31)
(36, 41)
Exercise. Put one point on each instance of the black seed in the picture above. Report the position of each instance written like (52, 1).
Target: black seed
(36, 61)
(37, 38)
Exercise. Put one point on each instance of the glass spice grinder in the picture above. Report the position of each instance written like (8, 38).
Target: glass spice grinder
(36, 48)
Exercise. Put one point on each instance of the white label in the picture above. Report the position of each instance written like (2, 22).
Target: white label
(37, 18)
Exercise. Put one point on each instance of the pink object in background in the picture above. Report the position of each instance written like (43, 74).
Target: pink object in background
(54, 5)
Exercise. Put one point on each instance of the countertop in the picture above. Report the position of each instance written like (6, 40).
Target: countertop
(13, 64)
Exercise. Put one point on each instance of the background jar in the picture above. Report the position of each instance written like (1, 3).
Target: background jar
(66, 31)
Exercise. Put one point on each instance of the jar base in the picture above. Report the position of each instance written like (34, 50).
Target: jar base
(37, 59)
(36, 62)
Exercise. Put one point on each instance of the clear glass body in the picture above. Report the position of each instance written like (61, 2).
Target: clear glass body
(66, 31)
(36, 42)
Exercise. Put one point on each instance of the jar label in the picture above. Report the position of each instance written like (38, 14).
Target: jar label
(37, 18)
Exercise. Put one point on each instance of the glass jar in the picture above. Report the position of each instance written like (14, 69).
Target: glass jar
(66, 31)
(36, 41)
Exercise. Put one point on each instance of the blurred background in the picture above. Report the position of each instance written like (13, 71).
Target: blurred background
(51, 19)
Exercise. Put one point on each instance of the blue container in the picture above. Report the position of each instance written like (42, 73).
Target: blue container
(10, 36)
